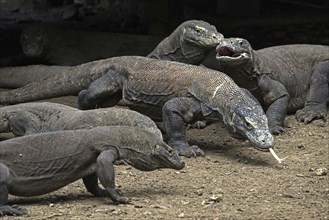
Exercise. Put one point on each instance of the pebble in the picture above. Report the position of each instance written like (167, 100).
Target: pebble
(301, 146)
(321, 171)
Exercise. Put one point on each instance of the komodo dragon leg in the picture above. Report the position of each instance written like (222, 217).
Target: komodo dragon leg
(105, 173)
(175, 114)
(108, 85)
(276, 98)
(5, 180)
(315, 105)
(24, 123)
(91, 184)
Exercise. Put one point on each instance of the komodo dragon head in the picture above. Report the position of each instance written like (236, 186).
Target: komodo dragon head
(160, 156)
(250, 122)
(200, 34)
(234, 51)
(34, 39)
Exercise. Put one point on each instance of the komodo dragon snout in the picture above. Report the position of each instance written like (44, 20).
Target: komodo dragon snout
(234, 50)
(163, 157)
(252, 124)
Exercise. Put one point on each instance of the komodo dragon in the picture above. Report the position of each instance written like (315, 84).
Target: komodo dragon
(183, 92)
(38, 164)
(31, 118)
(285, 79)
(52, 45)
(189, 43)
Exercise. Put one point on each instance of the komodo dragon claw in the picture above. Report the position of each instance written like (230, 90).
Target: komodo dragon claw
(12, 210)
(308, 114)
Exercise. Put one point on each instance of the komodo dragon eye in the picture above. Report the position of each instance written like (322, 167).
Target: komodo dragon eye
(199, 30)
(241, 43)
(249, 124)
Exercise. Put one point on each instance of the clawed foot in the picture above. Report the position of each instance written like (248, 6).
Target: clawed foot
(12, 210)
(199, 125)
(276, 129)
(188, 151)
(309, 113)
(117, 197)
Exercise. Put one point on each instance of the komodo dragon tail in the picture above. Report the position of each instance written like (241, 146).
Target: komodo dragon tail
(18, 76)
(68, 81)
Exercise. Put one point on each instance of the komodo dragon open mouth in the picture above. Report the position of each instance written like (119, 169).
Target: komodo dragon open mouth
(225, 53)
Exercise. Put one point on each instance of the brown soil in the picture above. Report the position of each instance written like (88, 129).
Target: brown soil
(233, 181)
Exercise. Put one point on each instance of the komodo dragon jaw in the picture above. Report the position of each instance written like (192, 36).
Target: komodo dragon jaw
(252, 124)
(202, 34)
(163, 157)
(234, 51)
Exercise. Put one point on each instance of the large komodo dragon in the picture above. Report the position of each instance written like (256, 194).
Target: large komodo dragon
(38, 164)
(285, 79)
(48, 44)
(32, 118)
(184, 93)
(189, 43)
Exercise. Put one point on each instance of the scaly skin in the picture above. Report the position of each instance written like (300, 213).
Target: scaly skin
(285, 79)
(18, 76)
(151, 84)
(38, 164)
(189, 43)
(32, 118)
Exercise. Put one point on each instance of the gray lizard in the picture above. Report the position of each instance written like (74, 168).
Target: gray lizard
(189, 43)
(182, 92)
(38, 164)
(31, 118)
(285, 79)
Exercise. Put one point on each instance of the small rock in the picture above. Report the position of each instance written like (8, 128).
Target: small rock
(159, 207)
(181, 215)
(321, 171)
(138, 206)
(198, 193)
(116, 211)
(51, 204)
(301, 146)
(217, 198)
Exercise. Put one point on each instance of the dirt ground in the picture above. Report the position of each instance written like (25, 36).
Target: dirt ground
(233, 181)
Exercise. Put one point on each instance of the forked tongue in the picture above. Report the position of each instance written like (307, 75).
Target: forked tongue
(276, 156)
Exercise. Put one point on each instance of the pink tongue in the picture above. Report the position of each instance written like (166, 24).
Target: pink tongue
(225, 51)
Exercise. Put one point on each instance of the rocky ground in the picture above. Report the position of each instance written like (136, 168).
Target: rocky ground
(233, 181)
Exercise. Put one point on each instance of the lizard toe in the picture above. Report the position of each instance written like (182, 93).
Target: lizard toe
(308, 114)
(12, 210)
(199, 125)
(197, 151)
(277, 129)
(116, 196)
